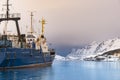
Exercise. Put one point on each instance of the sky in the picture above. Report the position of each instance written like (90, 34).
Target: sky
(70, 22)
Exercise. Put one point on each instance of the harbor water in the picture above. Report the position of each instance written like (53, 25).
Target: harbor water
(67, 70)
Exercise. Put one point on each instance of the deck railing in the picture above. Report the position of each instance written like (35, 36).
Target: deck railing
(14, 15)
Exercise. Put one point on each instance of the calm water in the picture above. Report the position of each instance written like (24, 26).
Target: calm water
(67, 70)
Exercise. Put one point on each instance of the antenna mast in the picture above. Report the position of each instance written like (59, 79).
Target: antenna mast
(7, 11)
(11, 17)
(31, 29)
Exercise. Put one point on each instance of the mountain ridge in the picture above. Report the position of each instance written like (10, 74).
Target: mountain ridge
(94, 48)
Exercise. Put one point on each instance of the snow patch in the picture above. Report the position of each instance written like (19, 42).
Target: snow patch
(58, 57)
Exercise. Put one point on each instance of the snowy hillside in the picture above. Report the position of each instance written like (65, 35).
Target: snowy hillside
(94, 48)
(58, 57)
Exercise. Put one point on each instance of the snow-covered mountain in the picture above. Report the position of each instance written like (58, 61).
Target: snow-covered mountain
(58, 57)
(94, 48)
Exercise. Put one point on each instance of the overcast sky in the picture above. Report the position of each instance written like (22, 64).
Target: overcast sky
(73, 22)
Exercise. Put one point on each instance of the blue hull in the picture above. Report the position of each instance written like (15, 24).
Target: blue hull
(22, 58)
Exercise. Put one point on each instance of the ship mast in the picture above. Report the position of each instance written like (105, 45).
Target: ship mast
(7, 11)
(11, 17)
(43, 23)
(31, 29)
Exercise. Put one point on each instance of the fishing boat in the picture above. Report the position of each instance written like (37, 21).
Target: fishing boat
(23, 50)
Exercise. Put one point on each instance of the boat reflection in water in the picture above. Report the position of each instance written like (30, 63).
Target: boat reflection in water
(27, 74)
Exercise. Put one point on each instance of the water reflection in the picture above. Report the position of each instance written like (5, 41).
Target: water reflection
(67, 70)
(80, 70)
(26, 74)
(107, 65)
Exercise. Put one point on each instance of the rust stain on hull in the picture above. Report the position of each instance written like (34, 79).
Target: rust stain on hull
(27, 66)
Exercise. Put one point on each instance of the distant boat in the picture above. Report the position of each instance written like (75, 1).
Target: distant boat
(23, 51)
